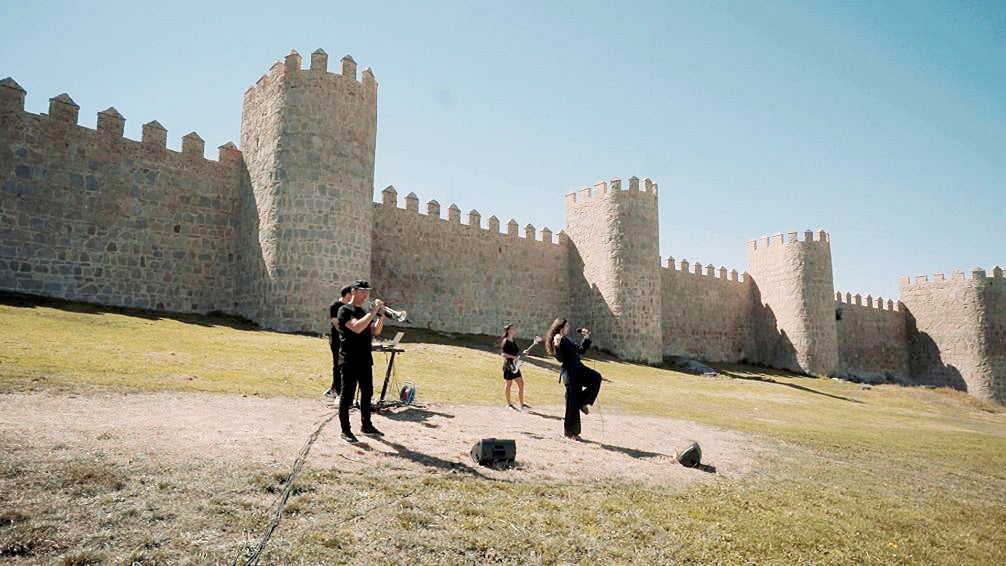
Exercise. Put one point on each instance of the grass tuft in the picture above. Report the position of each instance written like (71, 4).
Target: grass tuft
(883, 475)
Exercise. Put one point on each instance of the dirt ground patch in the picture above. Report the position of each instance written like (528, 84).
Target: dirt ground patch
(427, 439)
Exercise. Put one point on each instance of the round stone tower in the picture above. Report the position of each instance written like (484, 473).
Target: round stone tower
(615, 266)
(796, 287)
(308, 138)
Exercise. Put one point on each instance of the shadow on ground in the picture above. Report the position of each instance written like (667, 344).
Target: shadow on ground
(215, 318)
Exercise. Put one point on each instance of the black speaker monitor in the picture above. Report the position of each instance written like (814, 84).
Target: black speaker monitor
(691, 456)
(495, 452)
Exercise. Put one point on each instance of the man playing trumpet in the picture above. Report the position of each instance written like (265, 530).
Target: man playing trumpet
(357, 327)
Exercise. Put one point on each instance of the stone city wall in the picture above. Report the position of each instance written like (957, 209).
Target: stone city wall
(995, 332)
(705, 313)
(310, 137)
(872, 337)
(89, 215)
(795, 284)
(615, 266)
(956, 330)
(462, 277)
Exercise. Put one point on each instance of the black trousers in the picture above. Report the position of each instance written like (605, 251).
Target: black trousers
(582, 387)
(336, 372)
(353, 375)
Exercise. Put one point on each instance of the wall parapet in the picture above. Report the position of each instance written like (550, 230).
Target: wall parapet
(614, 186)
(709, 271)
(291, 67)
(110, 128)
(781, 239)
(957, 277)
(389, 202)
(867, 302)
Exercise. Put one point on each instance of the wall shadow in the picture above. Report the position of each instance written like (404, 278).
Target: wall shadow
(925, 361)
(771, 347)
(216, 318)
(796, 386)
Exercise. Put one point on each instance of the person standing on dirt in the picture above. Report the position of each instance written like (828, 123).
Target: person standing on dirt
(582, 383)
(510, 352)
(335, 341)
(357, 327)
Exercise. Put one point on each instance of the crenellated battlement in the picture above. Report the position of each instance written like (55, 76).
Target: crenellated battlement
(706, 271)
(603, 189)
(995, 277)
(780, 239)
(110, 128)
(273, 230)
(867, 302)
(389, 201)
(291, 71)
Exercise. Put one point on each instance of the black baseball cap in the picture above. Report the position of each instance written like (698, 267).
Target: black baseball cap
(361, 284)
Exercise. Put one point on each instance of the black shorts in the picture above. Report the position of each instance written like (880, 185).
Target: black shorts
(509, 376)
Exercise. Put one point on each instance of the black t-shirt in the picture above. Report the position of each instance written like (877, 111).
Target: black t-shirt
(355, 347)
(333, 312)
(509, 347)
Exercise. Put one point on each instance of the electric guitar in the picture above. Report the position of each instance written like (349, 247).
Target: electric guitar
(514, 365)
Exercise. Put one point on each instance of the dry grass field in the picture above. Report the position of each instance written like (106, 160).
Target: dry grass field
(129, 437)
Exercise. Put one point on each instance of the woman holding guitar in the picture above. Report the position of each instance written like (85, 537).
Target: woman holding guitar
(511, 369)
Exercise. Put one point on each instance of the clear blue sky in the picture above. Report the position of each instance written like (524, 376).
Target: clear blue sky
(883, 123)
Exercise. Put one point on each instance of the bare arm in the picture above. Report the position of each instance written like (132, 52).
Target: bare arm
(379, 325)
(358, 325)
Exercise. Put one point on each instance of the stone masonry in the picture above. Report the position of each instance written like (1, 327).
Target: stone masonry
(272, 230)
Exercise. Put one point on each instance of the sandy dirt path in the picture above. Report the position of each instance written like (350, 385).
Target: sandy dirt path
(427, 439)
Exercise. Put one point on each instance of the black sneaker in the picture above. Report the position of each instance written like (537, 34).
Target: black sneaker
(585, 409)
(371, 430)
(525, 407)
(332, 394)
(349, 437)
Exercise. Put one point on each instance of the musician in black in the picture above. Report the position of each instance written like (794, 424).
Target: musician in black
(357, 326)
(582, 383)
(510, 352)
(335, 341)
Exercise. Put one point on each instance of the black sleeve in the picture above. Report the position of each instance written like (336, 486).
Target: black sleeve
(345, 315)
(566, 350)
(583, 347)
(333, 311)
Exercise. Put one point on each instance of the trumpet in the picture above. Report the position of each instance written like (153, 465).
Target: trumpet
(397, 316)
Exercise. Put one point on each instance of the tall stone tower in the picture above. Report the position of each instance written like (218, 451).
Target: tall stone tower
(958, 336)
(308, 138)
(796, 287)
(615, 266)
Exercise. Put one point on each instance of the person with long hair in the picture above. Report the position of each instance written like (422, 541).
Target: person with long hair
(510, 352)
(582, 383)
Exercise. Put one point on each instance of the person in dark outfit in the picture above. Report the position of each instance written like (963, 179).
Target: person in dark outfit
(335, 340)
(357, 327)
(510, 351)
(582, 383)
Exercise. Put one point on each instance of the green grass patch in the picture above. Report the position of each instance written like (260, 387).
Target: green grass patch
(883, 475)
